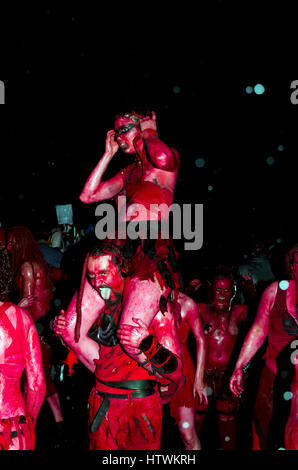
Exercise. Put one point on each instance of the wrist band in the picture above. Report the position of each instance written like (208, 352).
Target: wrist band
(160, 358)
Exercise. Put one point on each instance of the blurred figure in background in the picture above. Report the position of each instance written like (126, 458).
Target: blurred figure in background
(256, 273)
(182, 405)
(19, 351)
(52, 255)
(276, 319)
(291, 431)
(33, 286)
(223, 323)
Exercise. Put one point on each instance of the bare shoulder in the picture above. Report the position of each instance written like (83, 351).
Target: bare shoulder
(187, 302)
(10, 310)
(272, 288)
(26, 317)
(270, 291)
(267, 300)
(14, 310)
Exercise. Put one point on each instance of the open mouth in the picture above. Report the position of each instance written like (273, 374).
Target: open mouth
(104, 292)
(124, 146)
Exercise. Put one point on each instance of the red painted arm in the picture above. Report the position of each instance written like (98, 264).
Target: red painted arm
(27, 286)
(95, 189)
(35, 386)
(161, 156)
(28, 282)
(86, 349)
(258, 332)
(166, 334)
(255, 337)
(192, 316)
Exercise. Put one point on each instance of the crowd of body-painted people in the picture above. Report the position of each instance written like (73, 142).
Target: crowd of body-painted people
(217, 354)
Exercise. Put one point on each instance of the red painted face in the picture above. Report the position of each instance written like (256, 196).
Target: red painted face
(126, 130)
(104, 276)
(222, 293)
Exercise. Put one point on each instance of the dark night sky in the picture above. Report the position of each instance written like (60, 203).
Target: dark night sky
(67, 70)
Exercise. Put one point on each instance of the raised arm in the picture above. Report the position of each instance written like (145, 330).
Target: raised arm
(161, 156)
(35, 387)
(95, 189)
(193, 318)
(255, 337)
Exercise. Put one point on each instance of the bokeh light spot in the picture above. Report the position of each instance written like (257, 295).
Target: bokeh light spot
(284, 285)
(259, 89)
(270, 160)
(200, 162)
(288, 396)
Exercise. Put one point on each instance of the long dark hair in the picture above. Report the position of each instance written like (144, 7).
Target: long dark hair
(25, 249)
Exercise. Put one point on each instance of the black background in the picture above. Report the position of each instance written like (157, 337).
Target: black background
(67, 70)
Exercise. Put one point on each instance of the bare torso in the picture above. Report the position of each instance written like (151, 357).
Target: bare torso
(221, 330)
(166, 180)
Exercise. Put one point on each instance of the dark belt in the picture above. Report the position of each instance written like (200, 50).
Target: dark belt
(22, 419)
(13, 434)
(144, 388)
